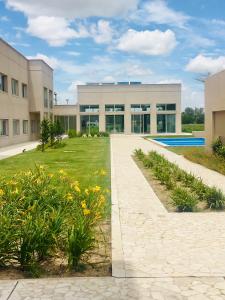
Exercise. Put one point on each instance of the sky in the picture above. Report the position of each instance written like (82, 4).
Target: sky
(152, 41)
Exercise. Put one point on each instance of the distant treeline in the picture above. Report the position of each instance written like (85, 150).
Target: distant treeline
(193, 115)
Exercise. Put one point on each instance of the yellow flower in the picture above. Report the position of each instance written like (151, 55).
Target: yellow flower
(86, 211)
(101, 199)
(62, 172)
(16, 191)
(83, 204)
(86, 191)
(41, 167)
(50, 175)
(69, 196)
(1, 192)
(96, 189)
(77, 189)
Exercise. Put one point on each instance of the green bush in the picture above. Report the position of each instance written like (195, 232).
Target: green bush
(103, 134)
(43, 214)
(218, 148)
(72, 133)
(215, 199)
(183, 200)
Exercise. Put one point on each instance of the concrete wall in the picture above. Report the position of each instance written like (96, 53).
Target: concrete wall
(132, 94)
(215, 107)
(35, 74)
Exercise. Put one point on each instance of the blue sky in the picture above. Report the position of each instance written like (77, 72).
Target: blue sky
(153, 41)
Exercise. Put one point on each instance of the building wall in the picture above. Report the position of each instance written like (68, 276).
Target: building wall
(215, 107)
(131, 94)
(35, 74)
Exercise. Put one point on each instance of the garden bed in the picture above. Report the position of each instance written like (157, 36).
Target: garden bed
(178, 190)
(75, 184)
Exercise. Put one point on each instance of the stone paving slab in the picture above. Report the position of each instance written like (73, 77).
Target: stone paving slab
(12, 150)
(120, 289)
(6, 287)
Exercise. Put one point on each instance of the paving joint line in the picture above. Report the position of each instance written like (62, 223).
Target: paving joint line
(12, 290)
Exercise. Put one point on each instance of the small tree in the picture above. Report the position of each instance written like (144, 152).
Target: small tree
(52, 132)
(58, 129)
(44, 135)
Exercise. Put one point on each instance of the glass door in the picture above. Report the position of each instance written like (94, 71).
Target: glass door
(140, 123)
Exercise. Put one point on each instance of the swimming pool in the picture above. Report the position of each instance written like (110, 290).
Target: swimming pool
(181, 142)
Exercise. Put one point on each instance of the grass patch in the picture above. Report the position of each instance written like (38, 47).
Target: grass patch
(192, 127)
(201, 156)
(80, 158)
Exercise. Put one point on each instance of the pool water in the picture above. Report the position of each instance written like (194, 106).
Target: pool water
(180, 142)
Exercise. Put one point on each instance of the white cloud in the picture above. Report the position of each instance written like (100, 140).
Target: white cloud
(54, 30)
(101, 32)
(72, 53)
(72, 9)
(148, 42)
(160, 13)
(157, 11)
(4, 19)
(205, 64)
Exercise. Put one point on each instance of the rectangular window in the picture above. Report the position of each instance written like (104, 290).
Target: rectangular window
(166, 123)
(3, 83)
(16, 127)
(4, 127)
(45, 97)
(25, 126)
(33, 126)
(140, 107)
(114, 107)
(140, 123)
(24, 90)
(114, 123)
(15, 87)
(89, 108)
(67, 122)
(89, 124)
(163, 107)
(50, 99)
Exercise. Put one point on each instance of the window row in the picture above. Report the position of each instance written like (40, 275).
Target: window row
(4, 127)
(133, 107)
(14, 86)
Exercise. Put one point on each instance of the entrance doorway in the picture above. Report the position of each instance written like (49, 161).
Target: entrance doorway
(140, 123)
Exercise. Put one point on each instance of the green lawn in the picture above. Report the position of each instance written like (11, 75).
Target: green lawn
(192, 127)
(201, 156)
(80, 158)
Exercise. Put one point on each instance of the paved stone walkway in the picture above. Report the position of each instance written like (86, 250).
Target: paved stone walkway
(155, 254)
(12, 150)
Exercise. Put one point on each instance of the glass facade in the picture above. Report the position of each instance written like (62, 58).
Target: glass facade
(114, 107)
(114, 123)
(164, 107)
(140, 123)
(140, 107)
(25, 126)
(89, 108)
(3, 83)
(67, 122)
(89, 123)
(16, 127)
(166, 123)
(15, 87)
(4, 127)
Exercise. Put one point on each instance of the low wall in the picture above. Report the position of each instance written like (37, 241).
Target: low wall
(199, 134)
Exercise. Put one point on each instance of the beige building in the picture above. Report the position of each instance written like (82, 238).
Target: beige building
(215, 107)
(26, 95)
(124, 107)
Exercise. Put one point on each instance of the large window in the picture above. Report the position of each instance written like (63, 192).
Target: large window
(67, 122)
(89, 123)
(114, 107)
(140, 123)
(140, 107)
(4, 127)
(50, 99)
(89, 108)
(25, 126)
(45, 97)
(163, 107)
(166, 123)
(24, 90)
(3, 83)
(15, 87)
(16, 127)
(114, 123)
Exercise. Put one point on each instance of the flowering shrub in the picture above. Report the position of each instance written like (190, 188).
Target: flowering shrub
(42, 214)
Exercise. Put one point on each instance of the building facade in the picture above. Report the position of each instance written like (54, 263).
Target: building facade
(215, 107)
(26, 96)
(126, 107)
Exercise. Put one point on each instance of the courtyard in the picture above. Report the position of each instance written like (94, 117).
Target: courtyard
(155, 254)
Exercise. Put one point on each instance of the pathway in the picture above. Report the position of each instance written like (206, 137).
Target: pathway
(12, 150)
(155, 254)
